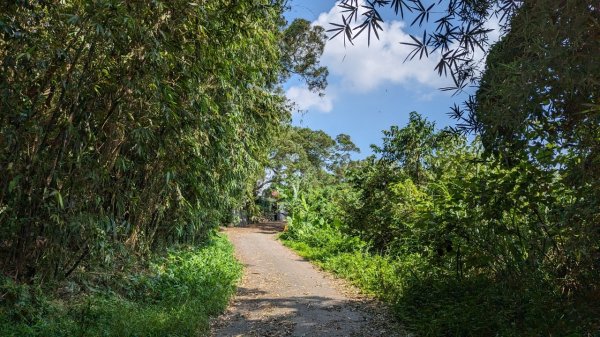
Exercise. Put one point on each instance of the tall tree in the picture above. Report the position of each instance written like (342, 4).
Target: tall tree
(129, 124)
(302, 45)
(304, 152)
(410, 146)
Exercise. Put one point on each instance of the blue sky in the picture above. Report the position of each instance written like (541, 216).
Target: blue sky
(370, 87)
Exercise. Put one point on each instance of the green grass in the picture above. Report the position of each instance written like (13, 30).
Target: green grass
(175, 296)
(429, 303)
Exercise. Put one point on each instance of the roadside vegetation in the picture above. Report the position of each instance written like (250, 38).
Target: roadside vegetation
(456, 242)
(174, 295)
(129, 131)
(491, 226)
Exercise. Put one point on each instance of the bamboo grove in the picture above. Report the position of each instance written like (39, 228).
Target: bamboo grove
(128, 126)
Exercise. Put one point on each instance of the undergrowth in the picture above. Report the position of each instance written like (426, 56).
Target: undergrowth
(174, 296)
(431, 305)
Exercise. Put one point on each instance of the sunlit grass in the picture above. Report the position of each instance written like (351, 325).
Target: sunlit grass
(175, 296)
(431, 304)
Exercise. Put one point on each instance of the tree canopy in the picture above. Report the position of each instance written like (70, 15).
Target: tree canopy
(135, 125)
(300, 152)
(302, 45)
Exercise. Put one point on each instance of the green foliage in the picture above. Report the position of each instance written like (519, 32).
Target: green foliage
(301, 157)
(317, 233)
(537, 111)
(303, 152)
(127, 127)
(410, 146)
(539, 93)
(433, 305)
(175, 296)
(301, 46)
(467, 247)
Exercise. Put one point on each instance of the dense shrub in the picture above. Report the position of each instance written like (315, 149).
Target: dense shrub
(458, 242)
(128, 126)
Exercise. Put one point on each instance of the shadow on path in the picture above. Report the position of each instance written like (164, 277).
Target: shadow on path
(295, 316)
(281, 294)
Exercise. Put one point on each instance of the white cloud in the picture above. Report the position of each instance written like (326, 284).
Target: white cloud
(306, 99)
(363, 68)
(493, 23)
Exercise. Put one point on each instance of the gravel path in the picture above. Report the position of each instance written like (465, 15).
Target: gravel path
(281, 294)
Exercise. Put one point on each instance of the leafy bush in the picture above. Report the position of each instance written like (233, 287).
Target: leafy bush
(129, 124)
(461, 244)
(433, 305)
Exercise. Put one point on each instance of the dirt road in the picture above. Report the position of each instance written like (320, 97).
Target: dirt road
(281, 294)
